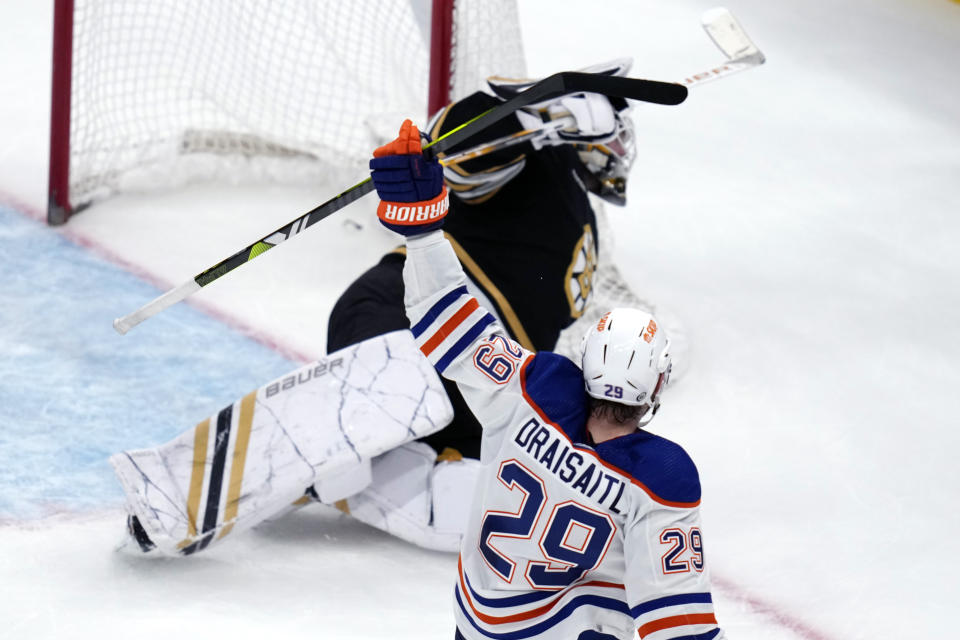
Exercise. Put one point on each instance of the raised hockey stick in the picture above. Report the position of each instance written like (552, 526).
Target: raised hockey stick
(720, 25)
(551, 87)
(733, 41)
(508, 141)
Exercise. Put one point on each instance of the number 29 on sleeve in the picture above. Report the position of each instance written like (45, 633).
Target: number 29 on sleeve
(685, 550)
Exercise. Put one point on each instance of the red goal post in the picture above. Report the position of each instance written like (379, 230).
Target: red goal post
(151, 94)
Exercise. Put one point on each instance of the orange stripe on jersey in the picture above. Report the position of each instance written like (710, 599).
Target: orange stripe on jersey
(526, 615)
(601, 461)
(507, 312)
(676, 621)
(449, 326)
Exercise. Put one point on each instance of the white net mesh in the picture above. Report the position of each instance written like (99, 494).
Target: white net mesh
(609, 290)
(472, 57)
(168, 91)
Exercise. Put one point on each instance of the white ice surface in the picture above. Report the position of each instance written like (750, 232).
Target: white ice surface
(800, 219)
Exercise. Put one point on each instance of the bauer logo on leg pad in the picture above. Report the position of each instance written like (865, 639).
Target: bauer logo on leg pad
(314, 371)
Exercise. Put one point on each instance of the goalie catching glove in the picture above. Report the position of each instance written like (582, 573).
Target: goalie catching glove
(413, 198)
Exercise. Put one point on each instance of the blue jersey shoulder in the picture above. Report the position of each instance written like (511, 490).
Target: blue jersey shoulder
(555, 384)
(659, 464)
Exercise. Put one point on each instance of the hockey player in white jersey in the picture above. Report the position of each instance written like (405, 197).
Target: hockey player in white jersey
(584, 525)
(226, 474)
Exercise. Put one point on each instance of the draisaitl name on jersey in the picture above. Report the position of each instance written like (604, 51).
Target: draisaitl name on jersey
(553, 451)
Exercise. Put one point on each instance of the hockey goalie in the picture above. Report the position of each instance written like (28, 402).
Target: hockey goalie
(371, 428)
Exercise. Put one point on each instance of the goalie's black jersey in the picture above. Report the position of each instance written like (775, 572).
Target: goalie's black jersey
(521, 224)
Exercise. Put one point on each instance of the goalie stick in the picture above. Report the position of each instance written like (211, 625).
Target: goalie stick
(720, 25)
(559, 84)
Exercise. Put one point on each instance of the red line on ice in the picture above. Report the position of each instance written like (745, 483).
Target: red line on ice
(100, 250)
(732, 590)
(736, 592)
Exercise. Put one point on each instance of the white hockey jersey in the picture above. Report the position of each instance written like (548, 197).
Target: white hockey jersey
(567, 539)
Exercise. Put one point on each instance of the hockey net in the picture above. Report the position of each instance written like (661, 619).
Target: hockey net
(609, 290)
(154, 94)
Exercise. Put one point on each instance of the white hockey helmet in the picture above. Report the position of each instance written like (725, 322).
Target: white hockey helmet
(626, 359)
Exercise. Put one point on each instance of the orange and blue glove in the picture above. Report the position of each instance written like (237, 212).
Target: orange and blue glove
(413, 198)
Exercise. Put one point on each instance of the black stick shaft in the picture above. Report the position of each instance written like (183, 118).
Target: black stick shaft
(554, 86)
(551, 87)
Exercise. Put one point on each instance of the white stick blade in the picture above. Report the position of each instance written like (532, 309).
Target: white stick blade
(728, 35)
(155, 306)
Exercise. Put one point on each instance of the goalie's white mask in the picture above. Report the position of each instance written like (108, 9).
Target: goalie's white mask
(601, 131)
(609, 162)
(626, 359)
